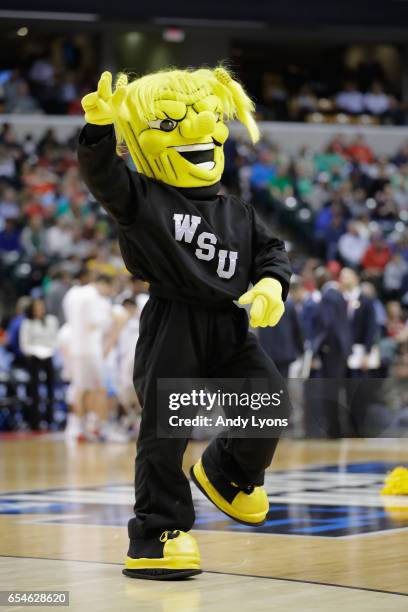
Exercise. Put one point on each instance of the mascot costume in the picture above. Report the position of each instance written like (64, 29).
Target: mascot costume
(199, 251)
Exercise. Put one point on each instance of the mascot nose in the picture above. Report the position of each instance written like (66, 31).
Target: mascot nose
(202, 124)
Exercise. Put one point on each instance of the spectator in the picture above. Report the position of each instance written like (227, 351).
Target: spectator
(38, 340)
(42, 71)
(362, 222)
(359, 151)
(59, 238)
(29, 146)
(304, 103)
(60, 283)
(264, 169)
(333, 234)
(350, 100)
(281, 184)
(13, 330)
(352, 245)
(377, 255)
(10, 237)
(331, 346)
(48, 141)
(364, 329)
(11, 88)
(376, 102)
(33, 237)
(329, 159)
(9, 208)
(395, 322)
(394, 273)
(320, 193)
(24, 102)
(401, 158)
(305, 305)
(370, 291)
(7, 166)
(275, 96)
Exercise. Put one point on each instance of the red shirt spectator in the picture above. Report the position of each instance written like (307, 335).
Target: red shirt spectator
(376, 257)
(360, 152)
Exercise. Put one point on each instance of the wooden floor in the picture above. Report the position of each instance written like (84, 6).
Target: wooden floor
(63, 512)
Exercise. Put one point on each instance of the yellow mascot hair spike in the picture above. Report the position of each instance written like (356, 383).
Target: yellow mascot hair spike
(243, 104)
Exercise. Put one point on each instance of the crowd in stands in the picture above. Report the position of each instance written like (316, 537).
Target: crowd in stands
(43, 86)
(44, 90)
(55, 237)
(344, 210)
(376, 102)
(356, 204)
(343, 95)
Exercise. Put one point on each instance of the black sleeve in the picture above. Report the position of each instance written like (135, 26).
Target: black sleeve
(107, 176)
(270, 259)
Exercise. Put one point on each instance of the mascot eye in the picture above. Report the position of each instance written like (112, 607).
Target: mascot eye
(165, 125)
(217, 116)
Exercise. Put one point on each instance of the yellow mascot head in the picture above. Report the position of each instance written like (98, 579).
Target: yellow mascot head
(173, 123)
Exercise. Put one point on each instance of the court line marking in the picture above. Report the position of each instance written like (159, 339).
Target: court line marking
(308, 468)
(297, 580)
(283, 535)
(372, 533)
(52, 519)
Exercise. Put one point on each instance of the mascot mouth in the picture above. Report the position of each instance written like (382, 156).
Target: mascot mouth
(201, 155)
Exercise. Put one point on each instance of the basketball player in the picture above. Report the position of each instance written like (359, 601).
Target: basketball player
(88, 313)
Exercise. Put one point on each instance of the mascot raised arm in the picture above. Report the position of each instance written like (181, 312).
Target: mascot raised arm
(200, 251)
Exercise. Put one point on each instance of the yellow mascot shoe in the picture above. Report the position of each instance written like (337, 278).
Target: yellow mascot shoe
(248, 506)
(172, 556)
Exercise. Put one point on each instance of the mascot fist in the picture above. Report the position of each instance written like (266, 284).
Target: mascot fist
(267, 305)
(102, 106)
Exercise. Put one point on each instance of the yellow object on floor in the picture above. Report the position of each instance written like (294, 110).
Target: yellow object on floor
(396, 483)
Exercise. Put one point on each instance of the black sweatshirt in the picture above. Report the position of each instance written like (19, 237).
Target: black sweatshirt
(189, 244)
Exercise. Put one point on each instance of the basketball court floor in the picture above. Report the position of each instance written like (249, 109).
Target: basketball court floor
(330, 541)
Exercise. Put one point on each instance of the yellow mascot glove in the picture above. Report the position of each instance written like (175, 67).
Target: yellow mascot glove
(267, 305)
(102, 106)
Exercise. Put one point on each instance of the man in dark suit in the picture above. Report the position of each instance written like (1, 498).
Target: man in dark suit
(305, 305)
(331, 345)
(361, 313)
(331, 340)
(362, 390)
(284, 342)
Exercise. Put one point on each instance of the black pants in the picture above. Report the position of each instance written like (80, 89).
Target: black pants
(32, 413)
(181, 340)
